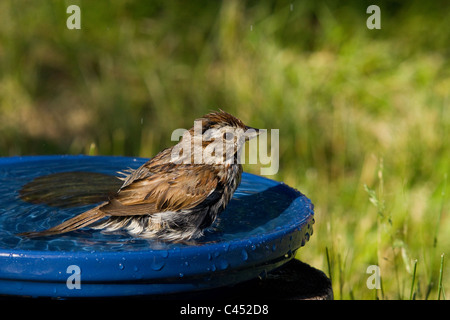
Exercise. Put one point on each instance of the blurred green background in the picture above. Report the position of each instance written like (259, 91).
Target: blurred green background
(363, 114)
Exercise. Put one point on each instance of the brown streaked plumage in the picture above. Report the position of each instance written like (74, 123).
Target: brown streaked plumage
(172, 197)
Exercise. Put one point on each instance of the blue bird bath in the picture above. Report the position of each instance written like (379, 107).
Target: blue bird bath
(260, 230)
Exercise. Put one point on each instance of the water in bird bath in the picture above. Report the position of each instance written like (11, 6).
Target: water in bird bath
(257, 206)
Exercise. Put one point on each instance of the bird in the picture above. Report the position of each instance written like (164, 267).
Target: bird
(178, 193)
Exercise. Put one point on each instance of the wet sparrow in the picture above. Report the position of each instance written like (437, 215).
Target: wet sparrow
(178, 193)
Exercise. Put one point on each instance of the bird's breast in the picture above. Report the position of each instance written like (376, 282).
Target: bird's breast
(231, 180)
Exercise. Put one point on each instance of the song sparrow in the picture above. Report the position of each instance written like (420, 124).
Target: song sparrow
(178, 193)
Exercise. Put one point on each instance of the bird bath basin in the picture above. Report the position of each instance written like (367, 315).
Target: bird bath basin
(260, 230)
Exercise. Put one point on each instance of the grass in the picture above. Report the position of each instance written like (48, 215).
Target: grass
(412, 293)
(440, 285)
(363, 114)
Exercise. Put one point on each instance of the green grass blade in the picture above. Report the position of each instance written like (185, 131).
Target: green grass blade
(441, 272)
(411, 295)
(329, 264)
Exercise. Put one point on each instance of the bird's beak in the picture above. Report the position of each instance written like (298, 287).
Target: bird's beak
(251, 133)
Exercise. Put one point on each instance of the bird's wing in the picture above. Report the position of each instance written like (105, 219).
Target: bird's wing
(151, 167)
(172, 188)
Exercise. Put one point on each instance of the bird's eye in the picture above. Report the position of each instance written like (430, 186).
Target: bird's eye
(228, 136)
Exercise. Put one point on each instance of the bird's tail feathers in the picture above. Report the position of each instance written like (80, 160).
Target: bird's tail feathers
(80, 221)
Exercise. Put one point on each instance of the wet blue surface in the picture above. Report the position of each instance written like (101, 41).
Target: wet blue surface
(263, 225)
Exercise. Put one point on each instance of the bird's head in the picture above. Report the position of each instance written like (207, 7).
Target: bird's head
(222, 125)
(221, 137)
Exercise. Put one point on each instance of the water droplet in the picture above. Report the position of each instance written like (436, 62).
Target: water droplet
(181, 275)
(288, 254)
(213, 267)
(223, 264)
(274, 247)
(186, 263)
(244, 255)
(209, 256)
(121, 266)
(157, 265)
